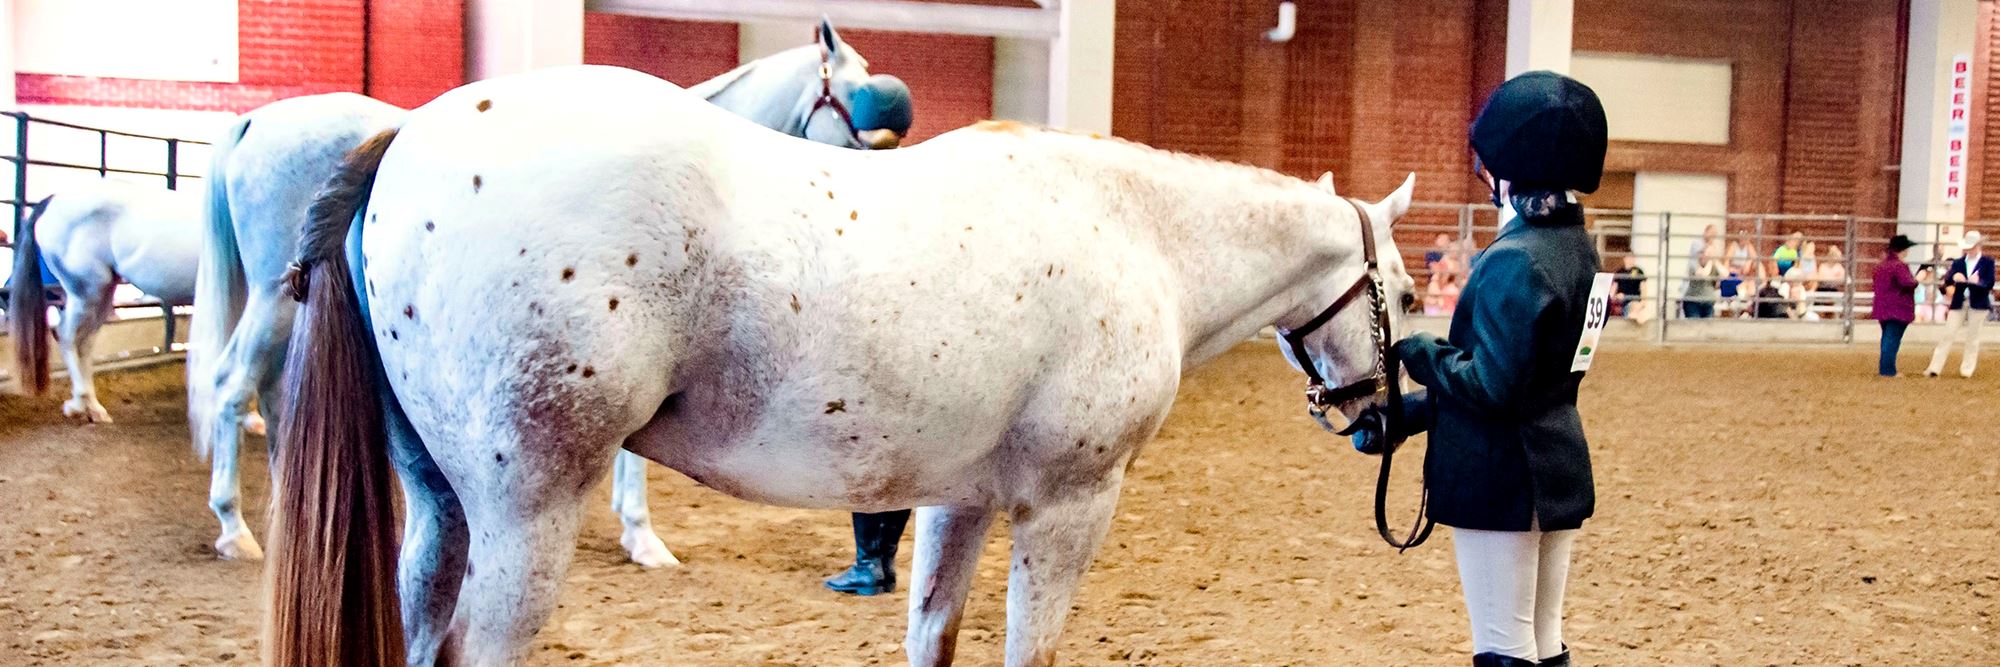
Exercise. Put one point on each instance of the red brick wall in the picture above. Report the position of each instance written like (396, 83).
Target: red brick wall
(950, 76)
(1367, 90)
(684, 52)
(1983, 186)
(416, 49)
(287, 48)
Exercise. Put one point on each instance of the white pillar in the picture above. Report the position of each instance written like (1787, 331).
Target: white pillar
(1080, 66)
(513, 36)
(1021, 79)
(763, 38)
(1940, 32)
(7, 56)
(1538, 35)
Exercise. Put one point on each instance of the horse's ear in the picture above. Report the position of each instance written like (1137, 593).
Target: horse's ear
(1398, 202)
(1326, 183)
(829, 41)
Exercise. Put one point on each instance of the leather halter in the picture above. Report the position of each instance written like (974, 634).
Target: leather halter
(827, 100)
(1386, 379)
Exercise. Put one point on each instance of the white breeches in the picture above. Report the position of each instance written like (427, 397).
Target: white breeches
(1514, 589)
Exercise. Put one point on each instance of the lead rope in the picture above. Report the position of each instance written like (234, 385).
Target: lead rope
(1391, 368)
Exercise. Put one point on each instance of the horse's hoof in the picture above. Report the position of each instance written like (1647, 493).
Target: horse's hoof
(651, 552)
(254, 425)
(91, 412)
(244, 547)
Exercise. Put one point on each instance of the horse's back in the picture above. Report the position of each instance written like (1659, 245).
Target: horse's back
(290, 149)
(146, 234)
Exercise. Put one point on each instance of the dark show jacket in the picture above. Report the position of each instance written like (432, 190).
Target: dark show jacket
(1507, 450)
(1977, 283)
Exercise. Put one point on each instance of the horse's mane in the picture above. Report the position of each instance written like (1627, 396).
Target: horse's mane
(1255, 173)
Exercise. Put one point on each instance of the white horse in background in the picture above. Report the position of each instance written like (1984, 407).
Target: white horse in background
(274, 159)
(567, 262)
(91, 237)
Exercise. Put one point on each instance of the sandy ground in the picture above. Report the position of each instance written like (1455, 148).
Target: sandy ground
(1755, 508)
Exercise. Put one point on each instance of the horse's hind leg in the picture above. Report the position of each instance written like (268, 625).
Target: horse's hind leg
(87, 308)
(628, 500)
(432, 564)
(949, 541)
(249, 362)
(1054, 542)
(523, 505)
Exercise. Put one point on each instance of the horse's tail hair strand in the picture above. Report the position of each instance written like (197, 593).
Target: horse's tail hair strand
(331, 576)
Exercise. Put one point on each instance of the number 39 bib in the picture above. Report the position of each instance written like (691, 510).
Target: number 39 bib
(1595, 314)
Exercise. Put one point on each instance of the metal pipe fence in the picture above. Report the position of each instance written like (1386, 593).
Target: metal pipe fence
(21, 160)
(1757, 267)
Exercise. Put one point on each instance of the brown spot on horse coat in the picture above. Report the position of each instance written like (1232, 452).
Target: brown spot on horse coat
(795, 303)
(484, 105)
(410, 312)
(589, 371)
(568, 273)
(854, 215)
(430, 226)
(836, 405)
(475, 183)
(614, 303)
(632, 260)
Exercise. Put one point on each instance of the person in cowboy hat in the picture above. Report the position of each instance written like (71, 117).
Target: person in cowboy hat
(1895, 304)
(1508, 468)
(1970, 281)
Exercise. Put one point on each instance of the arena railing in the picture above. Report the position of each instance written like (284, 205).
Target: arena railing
(1835, 289)
(21, 160)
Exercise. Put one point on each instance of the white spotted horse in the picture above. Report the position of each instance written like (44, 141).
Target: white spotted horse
(536, 271)
(275, 158)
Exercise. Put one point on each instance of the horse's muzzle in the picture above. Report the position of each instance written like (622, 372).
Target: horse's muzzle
(879, 140)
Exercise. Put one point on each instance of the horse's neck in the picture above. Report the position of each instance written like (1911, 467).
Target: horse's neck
(1250, 248)
(766, 91)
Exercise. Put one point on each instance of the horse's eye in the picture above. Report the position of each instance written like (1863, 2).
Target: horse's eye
(1409, 301)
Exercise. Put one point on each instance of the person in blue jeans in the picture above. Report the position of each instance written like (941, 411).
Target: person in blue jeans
(1895, 301)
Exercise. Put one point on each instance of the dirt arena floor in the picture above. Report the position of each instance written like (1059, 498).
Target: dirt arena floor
(1777, 507)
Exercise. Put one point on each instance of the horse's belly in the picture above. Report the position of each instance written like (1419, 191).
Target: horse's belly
(780, 464)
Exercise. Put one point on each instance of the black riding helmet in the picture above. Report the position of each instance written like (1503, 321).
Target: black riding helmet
(1542, 130)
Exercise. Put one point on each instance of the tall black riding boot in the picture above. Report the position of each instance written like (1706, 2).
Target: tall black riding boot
(1498, 660)
(1559, 660)
(875, 540)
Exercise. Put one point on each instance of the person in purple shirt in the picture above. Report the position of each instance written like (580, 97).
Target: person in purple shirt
(1970, 280)
(1895, 301)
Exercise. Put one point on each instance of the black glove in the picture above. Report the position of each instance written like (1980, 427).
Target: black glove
(1367, 431)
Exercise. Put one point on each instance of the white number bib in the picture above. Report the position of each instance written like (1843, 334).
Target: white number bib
(1595, 314)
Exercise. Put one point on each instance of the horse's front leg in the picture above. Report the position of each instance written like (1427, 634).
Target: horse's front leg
(1055, 539)
(949, 542)
(628, 500)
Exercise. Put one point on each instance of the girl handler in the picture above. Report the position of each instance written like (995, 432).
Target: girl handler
(1507, 467)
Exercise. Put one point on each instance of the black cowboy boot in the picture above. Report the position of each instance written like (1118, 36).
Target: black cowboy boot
(1560, 659)
(1498, 660)
(875, 540)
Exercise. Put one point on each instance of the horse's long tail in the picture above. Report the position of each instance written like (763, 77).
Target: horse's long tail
(219, 291)
(332, 569)
(28, 307)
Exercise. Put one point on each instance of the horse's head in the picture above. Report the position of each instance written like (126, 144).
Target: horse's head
(848, 107)
(1344, 344)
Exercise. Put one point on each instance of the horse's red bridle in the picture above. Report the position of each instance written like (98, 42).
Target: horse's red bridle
(826, 97)
(1385, 380)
